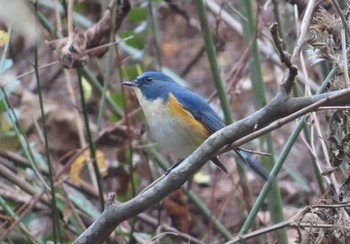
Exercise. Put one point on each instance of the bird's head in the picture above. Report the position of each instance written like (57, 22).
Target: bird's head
(153, 85)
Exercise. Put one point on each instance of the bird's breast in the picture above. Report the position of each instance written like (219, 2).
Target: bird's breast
(172, 127)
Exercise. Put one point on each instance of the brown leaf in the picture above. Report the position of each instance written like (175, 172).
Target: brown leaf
(339, 138)
(70, 55)
(84, 44)
(117, 181)
(170, 48)
(113, 136)
(60, 124)
(177, 209)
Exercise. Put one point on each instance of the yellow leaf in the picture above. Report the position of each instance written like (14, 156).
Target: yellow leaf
(80, 162)
(138, 68)
(77, 165)
(201, 178)
(4, 124)
(101, 163)
(4, 38)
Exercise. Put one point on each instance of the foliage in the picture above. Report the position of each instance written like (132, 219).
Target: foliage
(64, 61)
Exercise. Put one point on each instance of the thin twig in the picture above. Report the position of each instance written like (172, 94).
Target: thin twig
(303, 30)
(288, 81)
(284, 56)
(345, 58)
(154, 35)
(31, 205)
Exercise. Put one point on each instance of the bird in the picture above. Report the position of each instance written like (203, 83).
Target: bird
(179, 119)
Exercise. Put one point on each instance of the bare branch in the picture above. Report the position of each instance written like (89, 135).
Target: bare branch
(114, 213)
(303, 30)
(288, 80)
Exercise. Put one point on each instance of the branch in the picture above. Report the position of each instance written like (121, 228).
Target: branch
(114, 213)
(298, 221)
(288, 80)
(303, 30)
(297, 110)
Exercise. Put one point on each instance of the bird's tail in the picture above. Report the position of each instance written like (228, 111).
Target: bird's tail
(218, 163)
(254, 164)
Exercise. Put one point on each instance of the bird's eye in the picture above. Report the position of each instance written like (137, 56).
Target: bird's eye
(149, 78)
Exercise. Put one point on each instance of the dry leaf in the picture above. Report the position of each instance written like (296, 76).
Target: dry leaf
(113, 136)
(81, 161)
(170, 48)
(75, 54)
(177, 209)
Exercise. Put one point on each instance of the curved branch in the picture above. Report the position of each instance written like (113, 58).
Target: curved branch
(279, 107)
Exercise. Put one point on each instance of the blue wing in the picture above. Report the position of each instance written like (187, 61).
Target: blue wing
(203, 113)
(199, 108)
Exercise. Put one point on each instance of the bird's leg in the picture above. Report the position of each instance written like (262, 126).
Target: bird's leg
(173, 166)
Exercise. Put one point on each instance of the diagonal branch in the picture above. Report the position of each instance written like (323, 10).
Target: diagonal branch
(114, 213)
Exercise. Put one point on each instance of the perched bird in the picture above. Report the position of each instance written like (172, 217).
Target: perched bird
(179, 119)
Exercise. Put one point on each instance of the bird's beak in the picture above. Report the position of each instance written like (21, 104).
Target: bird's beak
(129, 83)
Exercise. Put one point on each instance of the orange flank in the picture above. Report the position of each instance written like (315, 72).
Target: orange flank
(176, 109)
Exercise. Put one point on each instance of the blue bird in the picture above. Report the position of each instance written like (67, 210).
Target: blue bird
(179, 119)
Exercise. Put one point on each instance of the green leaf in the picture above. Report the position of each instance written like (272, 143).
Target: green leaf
(2, 104)
(130, 72)
(138, 41)
(118, 99)
(138, 14)
(80, 7)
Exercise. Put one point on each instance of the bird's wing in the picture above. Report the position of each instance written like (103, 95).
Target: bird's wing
(203, 113)
(199, 109)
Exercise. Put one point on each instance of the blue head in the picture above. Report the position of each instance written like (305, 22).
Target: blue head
(154, 85)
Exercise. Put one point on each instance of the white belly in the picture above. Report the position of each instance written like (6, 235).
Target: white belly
(172, 136)
(170, 132)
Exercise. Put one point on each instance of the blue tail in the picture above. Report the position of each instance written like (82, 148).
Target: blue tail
(254, 164)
